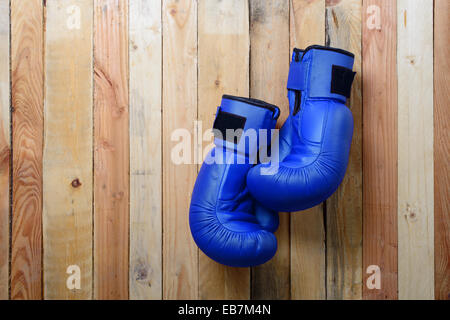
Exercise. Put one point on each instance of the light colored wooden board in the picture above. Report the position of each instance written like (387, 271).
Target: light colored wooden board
(111, 150)
(344, 208)
(380, 146)
(307, 23)
(5, 149)
(415, 149)
(223, 68)
(145, 149)
(270, 55)
(67, 159)
(441, 150)
(307, 27)
(180, 254)
(27, 134)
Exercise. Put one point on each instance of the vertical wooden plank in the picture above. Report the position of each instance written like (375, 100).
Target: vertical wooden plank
(415, 150)
(5, 149)
(441, 150)
(344, 208)
(307, 27)
(111, 154)
(180, 254)
(145, 149)
(223, 67)
(380, 146)
(67, 159)
(27, 134)
(270, 54)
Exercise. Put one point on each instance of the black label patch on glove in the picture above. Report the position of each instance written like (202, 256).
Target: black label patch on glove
(228, 121)
(341, 80)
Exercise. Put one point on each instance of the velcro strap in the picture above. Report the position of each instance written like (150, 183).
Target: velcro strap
(297, 76)
(341, 80)
(224, 121)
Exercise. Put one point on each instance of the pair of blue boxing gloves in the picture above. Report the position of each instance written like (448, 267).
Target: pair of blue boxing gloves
(240, 189)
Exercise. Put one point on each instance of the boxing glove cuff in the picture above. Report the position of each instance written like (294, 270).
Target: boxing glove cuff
(238, 124)
(322, 73)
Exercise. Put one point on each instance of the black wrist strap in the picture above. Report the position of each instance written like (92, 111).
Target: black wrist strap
(224, 121)
(341, 80)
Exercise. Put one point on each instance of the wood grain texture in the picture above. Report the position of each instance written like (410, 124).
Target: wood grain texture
(308, 270)
(67, 159)
(270, 54)
(95, 184)
(180, 254)
(27, 135)
(441, 150)
(415, 150)
(223, 68)
(111, 153)
(5, 149)
(344, 208)
(380, 145)
(145, 150)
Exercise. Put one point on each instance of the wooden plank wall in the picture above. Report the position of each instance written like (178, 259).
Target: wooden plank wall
(379, 78)
(145, 149)
(180, 254)
(269, 68)
(67, 158)
(415, 150)
(5, 149)
(97, 96)
(27, 95)
(441, 151)
(111, 149)
(223, 66)
(344, 208)
(308, 276)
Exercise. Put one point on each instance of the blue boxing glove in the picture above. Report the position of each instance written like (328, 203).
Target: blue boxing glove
(315, 139)
(226, 223)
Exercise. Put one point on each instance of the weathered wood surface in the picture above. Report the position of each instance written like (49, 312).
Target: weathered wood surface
(180, 254)
(27, 134)
(270, 55)
(223, 68)
(441, 150)
(344, 208)
(67, 158)
(145, 76)
(94, 100)
(308, 276)
(379, 67)
(5, 149)
(415, 150)
(111, 150)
